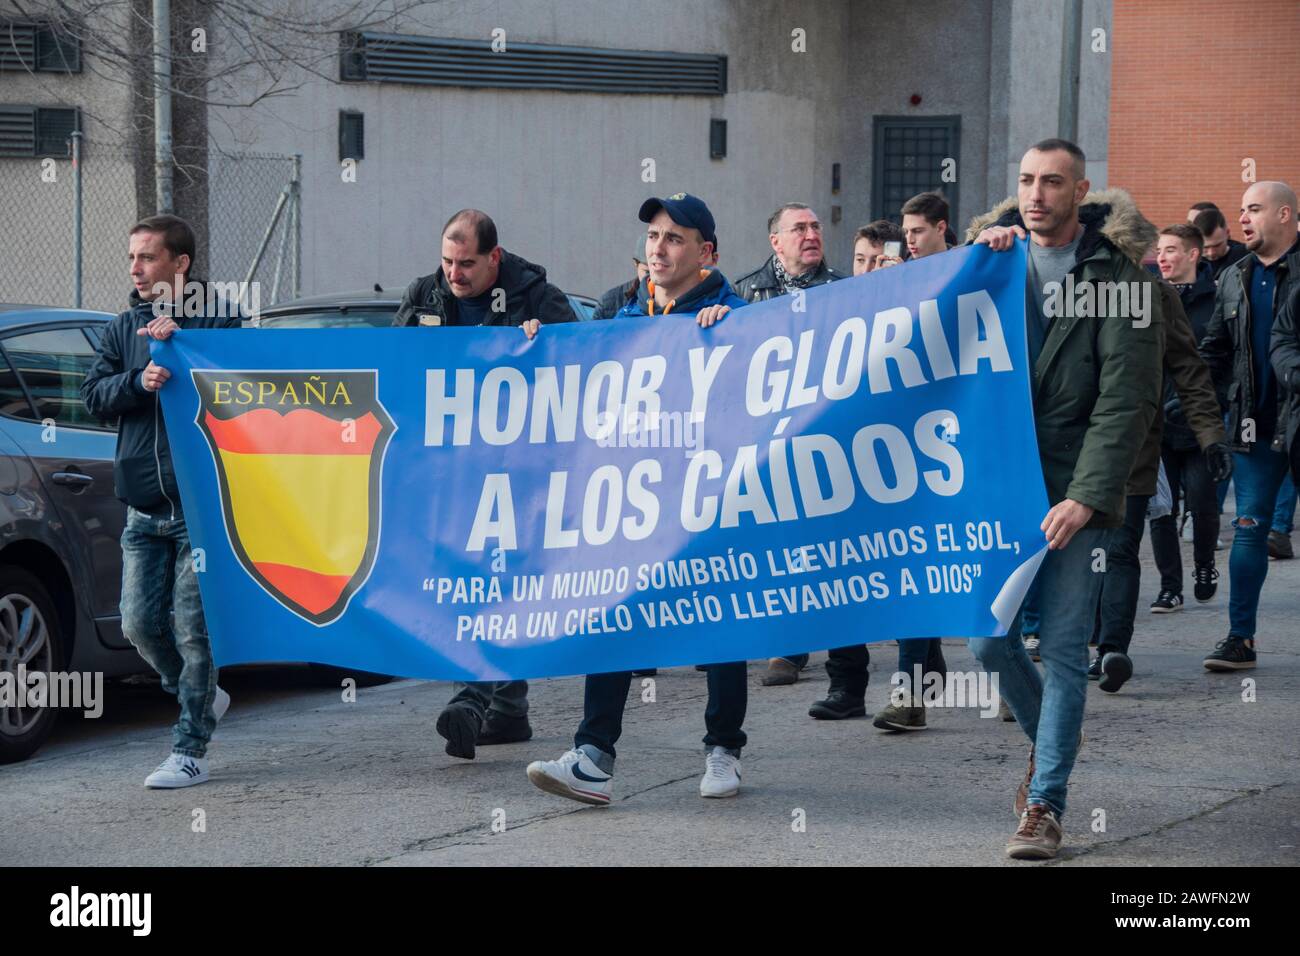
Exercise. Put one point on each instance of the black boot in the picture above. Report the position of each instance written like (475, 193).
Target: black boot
(459, 724)
(839, 704)
(500, 729)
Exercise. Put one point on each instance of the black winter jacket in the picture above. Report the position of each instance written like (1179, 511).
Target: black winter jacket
(1236, 252)
(1227, 347)
(143, 476)
(528, 296)
(1198, 303)
(761, 285)
(1284, 352)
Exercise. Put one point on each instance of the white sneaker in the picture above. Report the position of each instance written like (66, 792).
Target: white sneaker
(721, 774)
(1031, 648)
(220, 703)
(178, 770)
(575, 776)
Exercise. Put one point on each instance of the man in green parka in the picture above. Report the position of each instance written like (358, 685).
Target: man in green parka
(1092, 320)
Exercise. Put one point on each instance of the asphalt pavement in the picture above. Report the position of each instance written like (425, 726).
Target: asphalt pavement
(1182, 767)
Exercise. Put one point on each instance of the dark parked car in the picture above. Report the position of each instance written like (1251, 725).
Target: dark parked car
(360, 309)
(60, 561)
(60, 521)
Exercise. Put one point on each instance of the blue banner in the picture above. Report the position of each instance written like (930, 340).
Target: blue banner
(849, 464)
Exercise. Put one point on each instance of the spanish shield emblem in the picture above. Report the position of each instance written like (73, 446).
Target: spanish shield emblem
(299, 457)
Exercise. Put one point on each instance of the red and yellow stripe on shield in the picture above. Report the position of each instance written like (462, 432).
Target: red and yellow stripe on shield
(300, 498)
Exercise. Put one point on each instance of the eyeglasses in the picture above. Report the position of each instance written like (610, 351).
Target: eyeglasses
(803, 228)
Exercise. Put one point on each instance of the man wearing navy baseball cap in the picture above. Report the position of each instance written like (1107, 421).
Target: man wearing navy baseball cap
(680, 244)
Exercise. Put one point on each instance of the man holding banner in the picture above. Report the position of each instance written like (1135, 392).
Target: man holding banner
(480, 283)
(679, 251)
(162, 612)
(869, 467)
(1096, 358)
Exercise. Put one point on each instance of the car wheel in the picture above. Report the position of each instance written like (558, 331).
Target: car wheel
(329, 676)
(29, 636)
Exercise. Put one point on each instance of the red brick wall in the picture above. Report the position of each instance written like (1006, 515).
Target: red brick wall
(1171, 144)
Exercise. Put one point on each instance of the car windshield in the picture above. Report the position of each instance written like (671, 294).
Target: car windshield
(584, 310)
(330, 319)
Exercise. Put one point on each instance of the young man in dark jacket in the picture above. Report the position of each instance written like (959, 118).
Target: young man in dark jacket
(1181, 451)
(1096, 390)
(680, 240)
(158, 574)
(1236, 346)
(1221, 250)
(1178, 256)
(1187, 378)
(479, 283)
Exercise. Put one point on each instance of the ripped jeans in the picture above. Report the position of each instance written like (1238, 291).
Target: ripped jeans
(1257, 476)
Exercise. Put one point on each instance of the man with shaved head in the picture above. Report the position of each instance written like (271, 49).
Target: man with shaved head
(1252, 293)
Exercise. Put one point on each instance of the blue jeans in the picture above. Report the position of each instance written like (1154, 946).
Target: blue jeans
(1029, 617)
(1284, 508)
(162, 616)
(1050, 710)
(605, 698)
(1258, 476)
(927, 653)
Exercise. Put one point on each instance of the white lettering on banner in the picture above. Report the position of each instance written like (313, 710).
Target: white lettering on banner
(793, 476)
(779, 378)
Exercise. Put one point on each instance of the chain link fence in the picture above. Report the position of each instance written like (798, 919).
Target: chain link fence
(252, 224)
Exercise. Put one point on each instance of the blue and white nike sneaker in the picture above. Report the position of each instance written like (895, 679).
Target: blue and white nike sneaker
(575, 776)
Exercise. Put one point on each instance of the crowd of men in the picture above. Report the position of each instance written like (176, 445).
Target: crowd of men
(1132, 418)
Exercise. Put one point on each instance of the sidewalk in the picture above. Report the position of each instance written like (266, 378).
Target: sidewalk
(1185, 771)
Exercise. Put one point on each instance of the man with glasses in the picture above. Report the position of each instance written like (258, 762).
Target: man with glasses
(798, 261)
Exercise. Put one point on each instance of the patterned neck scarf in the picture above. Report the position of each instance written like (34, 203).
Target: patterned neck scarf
(789, 283)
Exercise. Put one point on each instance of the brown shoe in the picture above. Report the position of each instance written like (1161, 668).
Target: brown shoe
(1038, 837)
(780, 672)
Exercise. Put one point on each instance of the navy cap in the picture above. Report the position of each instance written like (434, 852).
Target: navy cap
(685, 210)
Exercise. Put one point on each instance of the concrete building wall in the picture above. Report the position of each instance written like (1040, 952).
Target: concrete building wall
(1033, 96)
(939, 51)
(36, 197)
(562, 173)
